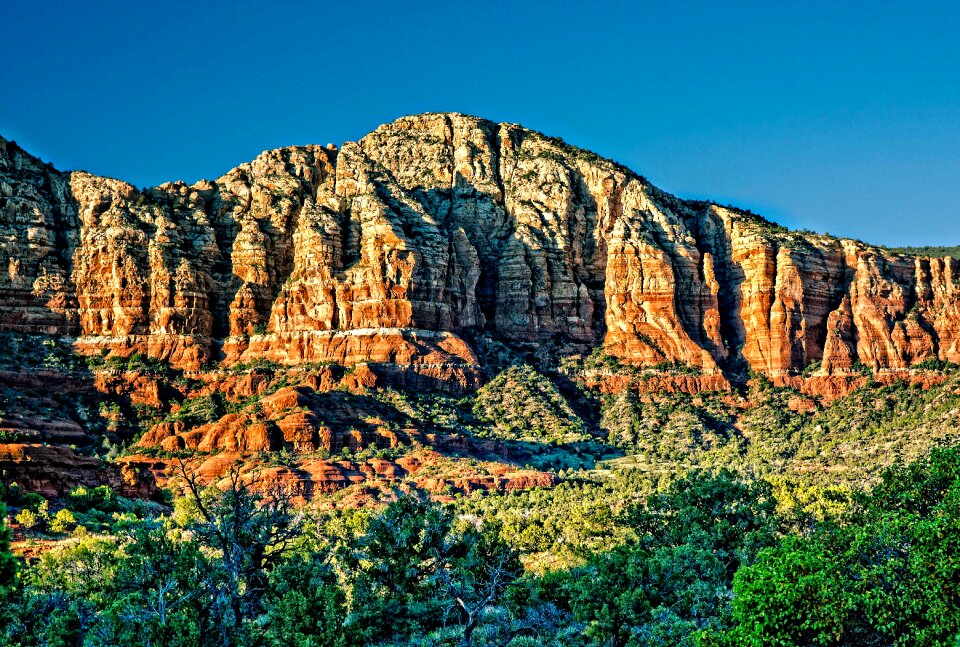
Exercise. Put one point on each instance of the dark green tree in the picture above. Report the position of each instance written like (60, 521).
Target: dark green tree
(305, 605)
(675, 576)
(8, 565)
(394, 563)
(890, 576)
(418, 568)
(251, 535)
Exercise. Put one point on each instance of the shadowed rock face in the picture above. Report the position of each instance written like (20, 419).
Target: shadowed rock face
(55, 470)
(389, 249)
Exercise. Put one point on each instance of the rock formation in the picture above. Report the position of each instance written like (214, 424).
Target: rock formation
(387, 250)
(382, 263)
(54, 471)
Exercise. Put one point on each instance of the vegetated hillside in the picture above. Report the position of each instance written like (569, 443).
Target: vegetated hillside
(521, 403)
(461, 383)
(934, 251)
(428, 257)
(321, 431)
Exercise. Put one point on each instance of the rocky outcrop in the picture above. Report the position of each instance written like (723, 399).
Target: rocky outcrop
(827, 388)
(387, 251)
(297, 419)
(303, 421)
(54, 471)
(312, 477)
(613, 382)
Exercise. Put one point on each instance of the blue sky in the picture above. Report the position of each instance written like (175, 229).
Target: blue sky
(834, 116)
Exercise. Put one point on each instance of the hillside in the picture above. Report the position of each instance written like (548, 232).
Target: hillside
(460, 383)
(933, 252)
(447, 302)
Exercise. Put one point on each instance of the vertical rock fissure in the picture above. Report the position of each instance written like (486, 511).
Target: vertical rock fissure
(441, 220)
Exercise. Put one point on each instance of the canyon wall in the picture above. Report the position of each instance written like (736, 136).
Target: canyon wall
(396, 249)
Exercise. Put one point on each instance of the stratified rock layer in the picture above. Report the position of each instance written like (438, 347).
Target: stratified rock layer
(388, 250)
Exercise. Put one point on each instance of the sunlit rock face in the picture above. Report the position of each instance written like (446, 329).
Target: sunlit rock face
(393, 250)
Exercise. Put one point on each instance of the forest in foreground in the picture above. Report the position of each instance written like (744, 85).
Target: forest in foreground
(710, 519)
(707, 561)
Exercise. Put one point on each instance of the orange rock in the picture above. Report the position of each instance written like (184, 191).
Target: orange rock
(802, 405)
(380, 254)
(372, 265)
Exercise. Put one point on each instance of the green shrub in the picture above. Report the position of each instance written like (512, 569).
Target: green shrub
(28, 519)
(522, 403)
(15, 495)
(886, 577)
(63, 521)
(8, 565)
(103, 498)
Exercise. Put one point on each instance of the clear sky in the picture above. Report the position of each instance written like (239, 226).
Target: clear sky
(833, 116)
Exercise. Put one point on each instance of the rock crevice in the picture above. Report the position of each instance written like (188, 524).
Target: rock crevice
(449, 224)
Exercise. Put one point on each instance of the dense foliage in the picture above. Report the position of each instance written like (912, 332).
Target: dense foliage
(674, 575)
(8, 567)
(521, 403)
(707, 560)
(235, 568)
(759, 516)
(887, 575)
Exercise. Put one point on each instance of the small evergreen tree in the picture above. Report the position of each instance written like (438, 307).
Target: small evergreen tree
(8, 566)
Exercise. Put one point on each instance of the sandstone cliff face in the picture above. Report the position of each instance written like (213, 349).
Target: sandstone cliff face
(388, 250)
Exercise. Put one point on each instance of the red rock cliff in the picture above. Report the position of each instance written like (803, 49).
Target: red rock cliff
(389, 249)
